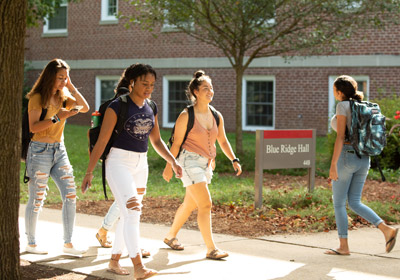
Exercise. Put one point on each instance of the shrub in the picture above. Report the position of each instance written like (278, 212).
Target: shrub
(390, 157)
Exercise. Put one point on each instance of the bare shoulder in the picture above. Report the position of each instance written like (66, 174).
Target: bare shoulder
(183, 116)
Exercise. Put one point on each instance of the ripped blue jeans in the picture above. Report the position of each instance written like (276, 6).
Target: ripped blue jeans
(46, 160)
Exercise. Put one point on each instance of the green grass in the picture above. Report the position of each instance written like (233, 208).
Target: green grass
(225, 188)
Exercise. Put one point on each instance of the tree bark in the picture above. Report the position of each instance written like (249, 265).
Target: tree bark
(239, 130)
(12, 35)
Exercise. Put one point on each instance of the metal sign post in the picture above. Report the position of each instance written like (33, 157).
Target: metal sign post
(282, 149)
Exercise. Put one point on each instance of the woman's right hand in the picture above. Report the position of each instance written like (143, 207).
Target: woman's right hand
(333, 175)
(87, 182)
(167, 173)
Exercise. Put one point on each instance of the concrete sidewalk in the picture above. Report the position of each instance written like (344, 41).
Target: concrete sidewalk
(271, 257)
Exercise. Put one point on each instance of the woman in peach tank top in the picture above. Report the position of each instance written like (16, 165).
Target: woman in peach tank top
(197, 159)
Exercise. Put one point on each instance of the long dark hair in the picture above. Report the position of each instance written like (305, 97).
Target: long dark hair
(198, 78)
(348, 86)
(132, 73)
(45, 83)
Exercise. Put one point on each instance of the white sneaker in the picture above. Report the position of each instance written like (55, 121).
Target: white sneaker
(73, 251)
(35, 250)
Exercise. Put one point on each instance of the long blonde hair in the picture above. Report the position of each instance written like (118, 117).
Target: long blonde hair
(45, 83)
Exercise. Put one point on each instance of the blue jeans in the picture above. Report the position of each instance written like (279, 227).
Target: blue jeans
(111, 217)
(352, 173)
(44, 160)
(196, 168)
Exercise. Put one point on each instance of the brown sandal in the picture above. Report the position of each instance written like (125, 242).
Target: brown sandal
(177, 246)
(103, 241)
(217, 254)
(144, 273)
(145, 253)
(118, 270)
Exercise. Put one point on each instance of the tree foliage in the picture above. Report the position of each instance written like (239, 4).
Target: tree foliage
(38, 10)
(247, 29)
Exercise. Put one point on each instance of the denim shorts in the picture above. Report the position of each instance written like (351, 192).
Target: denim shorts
(196, 168)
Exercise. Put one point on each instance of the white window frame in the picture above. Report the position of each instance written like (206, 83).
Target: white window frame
(99, 79)
(64, 31)
(331, 103)
(105, 17)
(166, 80)
(244, 97)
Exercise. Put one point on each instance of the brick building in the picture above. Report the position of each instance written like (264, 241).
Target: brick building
(298, 93)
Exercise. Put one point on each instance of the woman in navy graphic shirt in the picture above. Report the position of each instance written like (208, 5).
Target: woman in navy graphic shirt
(126, 164)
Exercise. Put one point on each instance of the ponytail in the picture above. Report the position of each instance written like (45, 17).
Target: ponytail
(198, 77)
(348, 86)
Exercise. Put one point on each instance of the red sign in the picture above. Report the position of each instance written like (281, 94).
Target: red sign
(287, 134)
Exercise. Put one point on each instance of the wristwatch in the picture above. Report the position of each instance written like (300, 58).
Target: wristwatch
(236, 160)
(55, 119)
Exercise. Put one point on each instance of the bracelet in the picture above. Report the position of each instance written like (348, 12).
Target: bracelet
(236, 160)
(57, 118)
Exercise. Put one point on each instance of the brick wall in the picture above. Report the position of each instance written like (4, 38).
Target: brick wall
(87, 39)
(301, 93)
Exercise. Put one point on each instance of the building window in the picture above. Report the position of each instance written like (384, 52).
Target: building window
(174, 98)
(57, 24)
(109, 11)
(105, 86)
(362, 85)
(258, 103)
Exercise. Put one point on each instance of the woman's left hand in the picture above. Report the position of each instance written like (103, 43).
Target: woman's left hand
(237, 167)
(64, 113)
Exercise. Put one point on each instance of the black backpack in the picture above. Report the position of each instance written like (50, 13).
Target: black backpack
(190, 124)
(26, 136)
(93, 133)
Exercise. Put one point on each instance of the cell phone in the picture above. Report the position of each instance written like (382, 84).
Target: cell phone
(76, 108)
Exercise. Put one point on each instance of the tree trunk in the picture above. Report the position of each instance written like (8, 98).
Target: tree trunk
(239, 80)
(12, 30)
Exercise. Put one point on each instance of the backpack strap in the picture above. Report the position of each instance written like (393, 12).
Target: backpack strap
(189, 126)
(152, 105)
(347, 132)
(121, 118)
(41, 118)
(215, 114)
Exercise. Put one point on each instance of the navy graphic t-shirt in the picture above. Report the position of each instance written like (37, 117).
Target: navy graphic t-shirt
(140, 121)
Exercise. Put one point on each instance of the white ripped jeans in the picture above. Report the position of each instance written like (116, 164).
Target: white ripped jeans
(125, 172)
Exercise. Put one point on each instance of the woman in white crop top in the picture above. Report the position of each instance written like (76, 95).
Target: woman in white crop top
(348, 172)
(197, 160)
